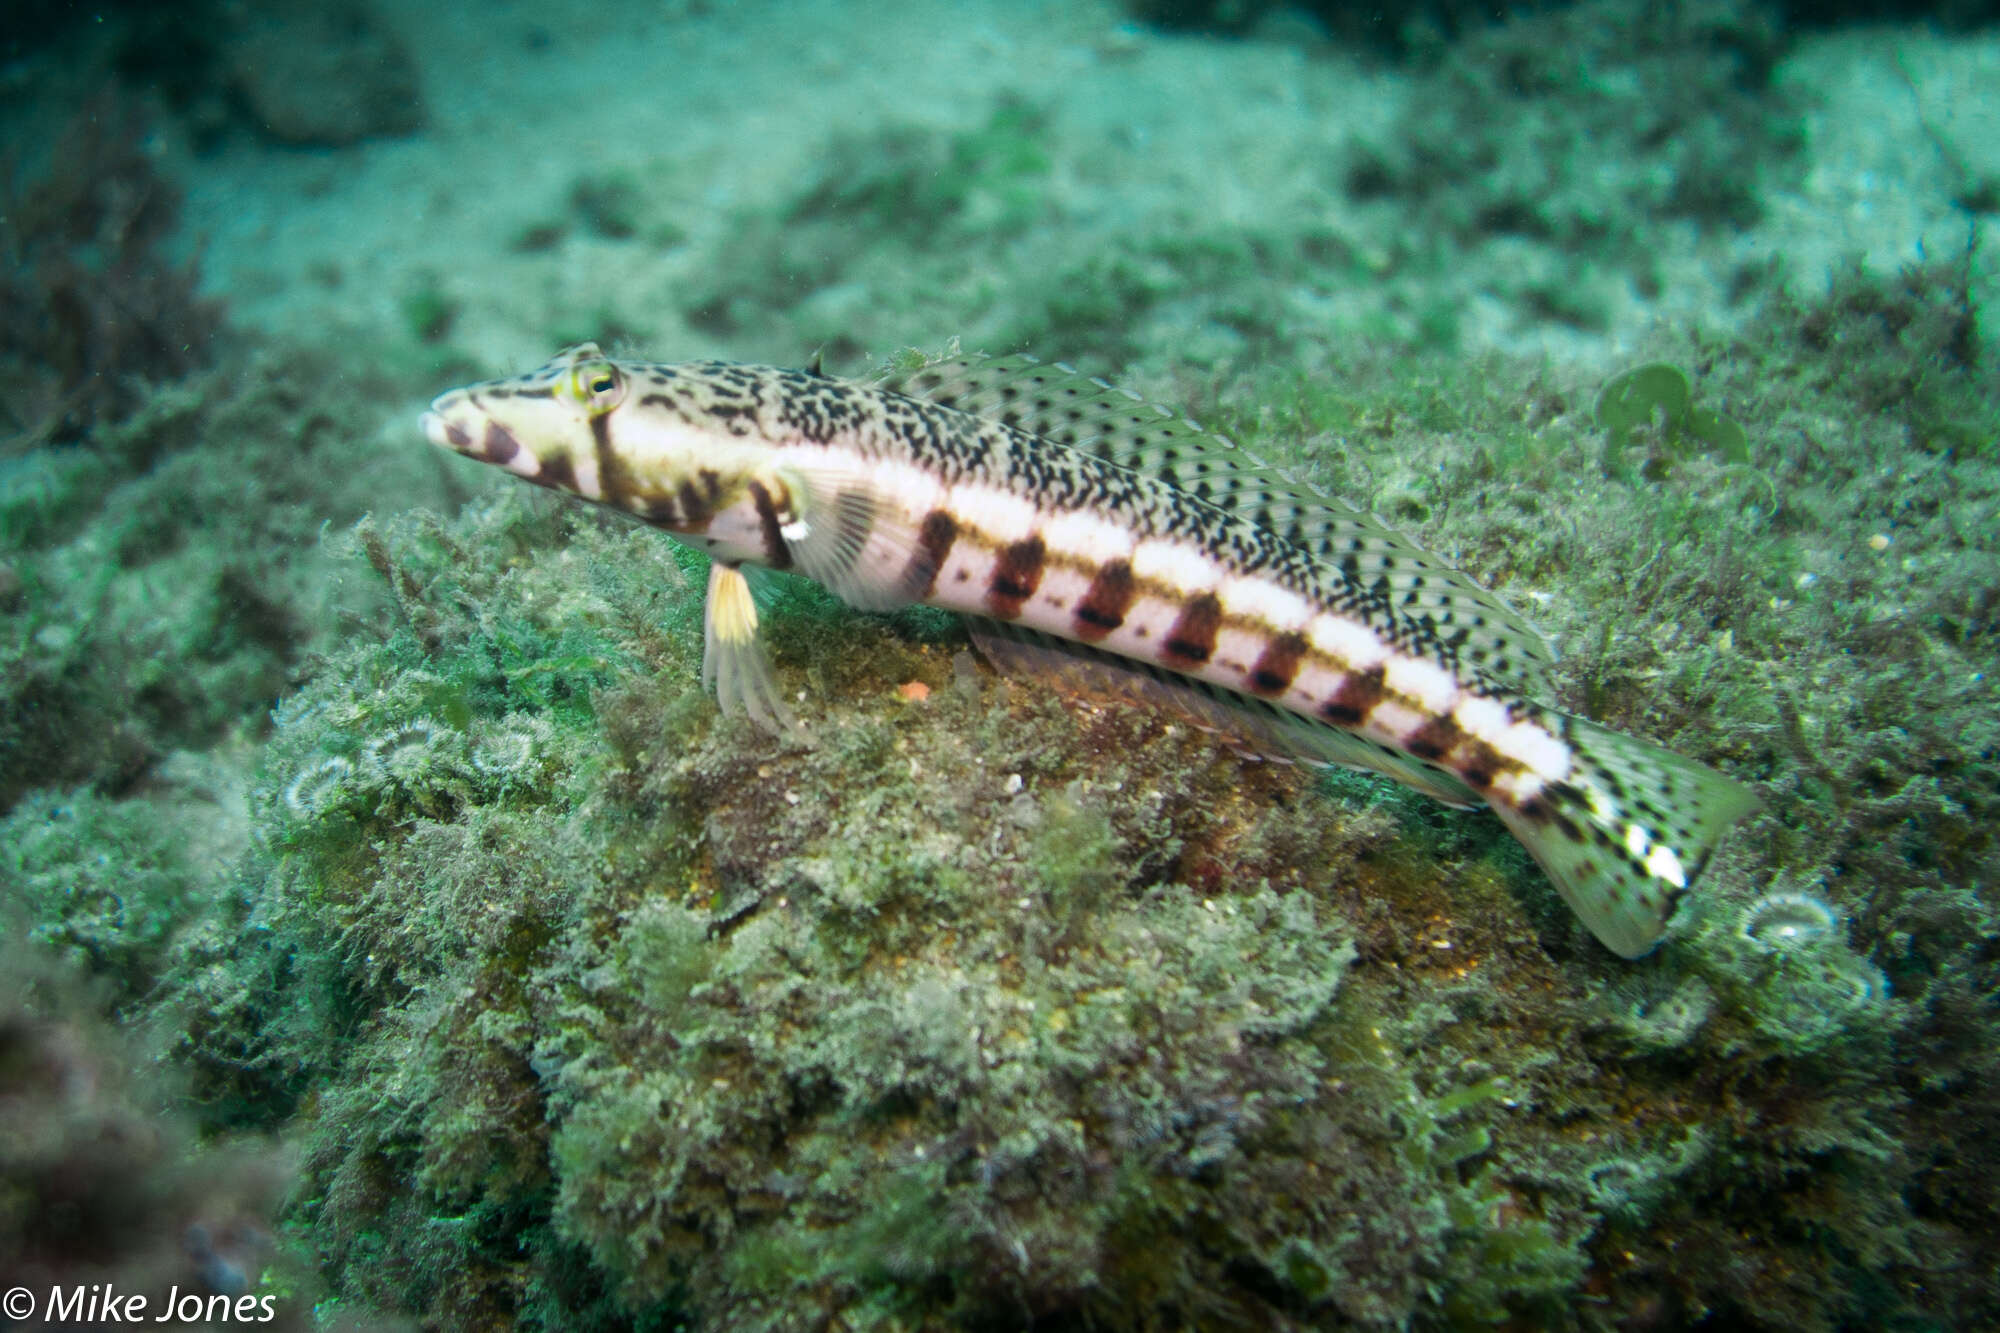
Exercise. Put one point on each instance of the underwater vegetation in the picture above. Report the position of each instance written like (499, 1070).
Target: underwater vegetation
(1653, 134)
(91, 311)
(1657, 395)
(1574, 137)
(874, 206)
(159, 577)
(990, 1006)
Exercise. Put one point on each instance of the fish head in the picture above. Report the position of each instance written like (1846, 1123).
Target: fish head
(544, 426)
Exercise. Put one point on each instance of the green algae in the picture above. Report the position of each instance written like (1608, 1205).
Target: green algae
(1657, 395)
(165, 577)
(1572, 136)
(932, 187)
(105, 883)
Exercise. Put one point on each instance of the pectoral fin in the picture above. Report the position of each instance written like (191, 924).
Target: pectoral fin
(857, 544)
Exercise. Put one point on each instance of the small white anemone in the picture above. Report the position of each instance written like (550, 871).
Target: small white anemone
(316, 788)
(1852, 983)
(1787, 922)
(296, 710)
(400, 749)
(1661, 1014)
(510, 751)
(504, 753)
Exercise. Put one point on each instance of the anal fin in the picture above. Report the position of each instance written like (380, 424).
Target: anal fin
(1252, 727)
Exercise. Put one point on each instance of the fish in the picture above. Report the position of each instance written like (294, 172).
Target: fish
(1087, 533)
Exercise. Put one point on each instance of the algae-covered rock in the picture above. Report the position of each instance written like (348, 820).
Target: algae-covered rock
(987, 1004)
(166, 574)
(981, 1002)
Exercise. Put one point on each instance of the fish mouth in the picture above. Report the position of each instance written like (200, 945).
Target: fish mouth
(493, 444)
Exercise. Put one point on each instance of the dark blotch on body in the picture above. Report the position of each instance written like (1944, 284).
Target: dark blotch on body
(1107, 602)
(557, 471)
(1016, 575)
(691, 503)
(1355, 699)
(934, 543)
(1191, 642)
(1435, 739)
(776, 554)
(499, 446)
(1278, 665)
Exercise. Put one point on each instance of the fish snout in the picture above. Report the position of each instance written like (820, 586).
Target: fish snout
(445, 434)
(445, 424)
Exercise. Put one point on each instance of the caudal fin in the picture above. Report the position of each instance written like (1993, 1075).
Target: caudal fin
(1625, 837)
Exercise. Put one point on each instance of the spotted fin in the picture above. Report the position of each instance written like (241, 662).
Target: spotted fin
(1627, 835)
(1435, 607)
(1251, 727)
(733, 661)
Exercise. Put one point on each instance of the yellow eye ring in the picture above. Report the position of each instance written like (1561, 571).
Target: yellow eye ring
(597, 385)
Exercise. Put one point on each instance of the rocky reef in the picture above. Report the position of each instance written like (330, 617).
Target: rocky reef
(988, 1004)
(400, 934)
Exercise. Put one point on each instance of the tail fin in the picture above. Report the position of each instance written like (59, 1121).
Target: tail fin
(1628, 833)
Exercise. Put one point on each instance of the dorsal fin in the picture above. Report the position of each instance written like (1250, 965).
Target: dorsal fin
(1437, 609)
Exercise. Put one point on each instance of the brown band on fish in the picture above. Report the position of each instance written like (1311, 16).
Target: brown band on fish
(776, 554)
(499, 446)
(611, 478)
(1107, 602)
(1191, 642)
(1356, 698)
(1278, 665)
(694, 510)
(1016, 575)
(1435, 739)
(655, 509)
(934, 542)
(1480, 764)
(558, 472)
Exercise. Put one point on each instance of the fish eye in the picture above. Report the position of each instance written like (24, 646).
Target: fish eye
(598, 386)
